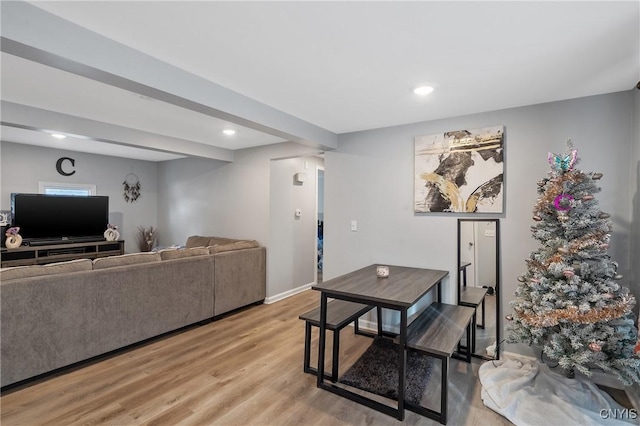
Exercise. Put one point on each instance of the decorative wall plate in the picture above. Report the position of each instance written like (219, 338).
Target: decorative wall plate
(131, 188)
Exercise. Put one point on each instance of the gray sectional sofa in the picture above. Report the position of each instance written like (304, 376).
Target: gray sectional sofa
(58, 314)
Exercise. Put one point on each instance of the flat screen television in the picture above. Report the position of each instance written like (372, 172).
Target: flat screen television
(59, 218)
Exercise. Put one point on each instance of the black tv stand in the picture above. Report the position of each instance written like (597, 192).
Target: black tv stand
(54, 241)
(60, 252)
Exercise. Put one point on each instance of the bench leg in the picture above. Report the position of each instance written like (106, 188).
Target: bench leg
(336, 354)
(379, 314)
(473, 332)
(469, 328)
(444, 390)
(307, 368)
(307, 347)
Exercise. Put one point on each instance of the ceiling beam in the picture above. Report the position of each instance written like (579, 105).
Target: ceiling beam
(34, 34)
(30, 118)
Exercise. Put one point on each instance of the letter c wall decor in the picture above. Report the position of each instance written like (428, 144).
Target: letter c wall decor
(59, 166)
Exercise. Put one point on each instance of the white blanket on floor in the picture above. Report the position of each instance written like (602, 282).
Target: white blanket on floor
(528, 393)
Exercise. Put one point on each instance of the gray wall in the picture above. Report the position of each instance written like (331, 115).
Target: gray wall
(370, 178)
(292, 240)
(189, 203)
(24, 166)
(208, 197)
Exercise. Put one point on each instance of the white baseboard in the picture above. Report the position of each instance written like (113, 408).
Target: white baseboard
(367, 325)
(288, 293)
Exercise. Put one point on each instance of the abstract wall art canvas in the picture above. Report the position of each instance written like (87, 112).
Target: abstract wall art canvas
(460, 171)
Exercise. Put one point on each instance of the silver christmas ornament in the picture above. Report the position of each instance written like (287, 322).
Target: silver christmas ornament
(596, 176)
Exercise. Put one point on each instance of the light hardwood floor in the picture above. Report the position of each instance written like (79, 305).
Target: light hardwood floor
(244, 369)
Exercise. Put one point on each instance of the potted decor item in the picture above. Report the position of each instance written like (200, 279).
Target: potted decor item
(14, 240)
(146, 238)
(111, 234)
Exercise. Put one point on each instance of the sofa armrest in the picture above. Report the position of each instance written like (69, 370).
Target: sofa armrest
(240, 278)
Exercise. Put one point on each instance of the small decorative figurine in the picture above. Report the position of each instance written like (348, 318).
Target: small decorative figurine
(382, 271)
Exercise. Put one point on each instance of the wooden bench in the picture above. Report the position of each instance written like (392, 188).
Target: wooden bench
(437, 332)
(340, 313)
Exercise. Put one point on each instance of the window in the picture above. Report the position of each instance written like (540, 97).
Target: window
(79, 189)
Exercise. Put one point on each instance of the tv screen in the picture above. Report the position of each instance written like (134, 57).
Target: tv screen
(59, 217)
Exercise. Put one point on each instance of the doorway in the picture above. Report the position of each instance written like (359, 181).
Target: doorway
(319, 222)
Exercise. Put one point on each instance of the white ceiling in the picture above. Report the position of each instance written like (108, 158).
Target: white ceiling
(337, 66)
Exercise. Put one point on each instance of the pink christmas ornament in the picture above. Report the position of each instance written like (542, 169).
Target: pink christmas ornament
(563, 202)
(587, 198)
(568, 273)
(509, 317)
(595, 347)
(537, 218)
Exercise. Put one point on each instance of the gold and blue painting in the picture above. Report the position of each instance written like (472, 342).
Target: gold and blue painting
(460, 171)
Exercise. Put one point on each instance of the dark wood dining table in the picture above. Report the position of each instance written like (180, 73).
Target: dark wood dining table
(401, 290)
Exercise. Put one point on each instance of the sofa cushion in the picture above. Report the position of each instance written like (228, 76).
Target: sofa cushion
(197, 241)
(125, 259)
(169, 254)
(50, 269)
(236, 245)
(219, 241)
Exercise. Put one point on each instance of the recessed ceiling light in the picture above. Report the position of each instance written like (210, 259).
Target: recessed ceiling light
(58, 135)
(229, 132)
(423, 90)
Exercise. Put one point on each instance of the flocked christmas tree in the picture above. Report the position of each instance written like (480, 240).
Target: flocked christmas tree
(569, 302)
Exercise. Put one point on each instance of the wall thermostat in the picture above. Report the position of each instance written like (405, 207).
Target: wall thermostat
(300, 178)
